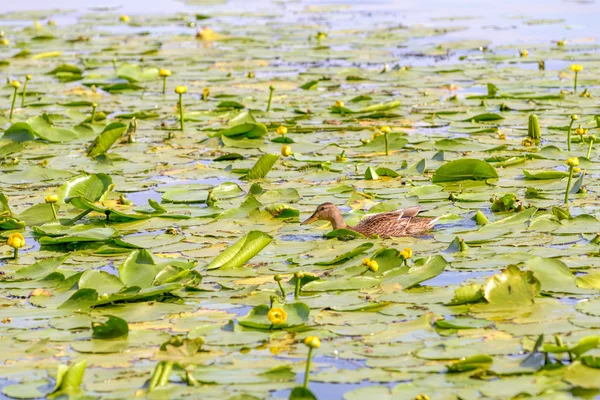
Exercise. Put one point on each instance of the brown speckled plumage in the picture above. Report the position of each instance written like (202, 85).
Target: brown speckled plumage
(389, 224)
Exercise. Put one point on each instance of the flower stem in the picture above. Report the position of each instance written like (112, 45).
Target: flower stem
(156, 376)
(181, 111)
(12, 107)
(166, 373)
(164, 84)
(385, 137)
(307, 372)
(575, 83)
(568, 185)
(282, 290)
(53, 210)
(569, 135)
(272, 89)
(16, 253)
(24, 93)
(589, 152)
(94, 106)
(297, 289)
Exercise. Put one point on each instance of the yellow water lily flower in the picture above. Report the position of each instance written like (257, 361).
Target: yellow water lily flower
(339, 103)
(286, 151)
(16, 240)
(581, 131)
(277, 316)
(385, 129)
(15, 84)
(180, 89)
(282, 130)
(40, 292)
(407, 253)
(124, 18)
(572, 162)
(51, 198)
(373, 266)
(313, 342)
(527, 142)
(206, 34)
(164, 72)
(576, 67)
(524, 53)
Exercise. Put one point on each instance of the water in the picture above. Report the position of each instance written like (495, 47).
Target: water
(498, 23)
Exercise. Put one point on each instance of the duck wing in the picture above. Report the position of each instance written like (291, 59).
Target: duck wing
(392, 223)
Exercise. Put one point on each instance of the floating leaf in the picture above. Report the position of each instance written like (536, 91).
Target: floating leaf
(462, 169)
(112, 328)
(297, 314)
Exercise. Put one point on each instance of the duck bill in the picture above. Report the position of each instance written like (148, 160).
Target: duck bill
(310, 219)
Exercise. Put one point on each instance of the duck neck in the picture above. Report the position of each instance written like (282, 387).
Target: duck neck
(337, 221)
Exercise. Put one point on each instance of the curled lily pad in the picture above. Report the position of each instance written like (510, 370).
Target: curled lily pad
(512, 288)
(471, 363)
(89, 186)
(242, 251)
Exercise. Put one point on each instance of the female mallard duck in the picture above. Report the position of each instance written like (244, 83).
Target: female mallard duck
(388, 224)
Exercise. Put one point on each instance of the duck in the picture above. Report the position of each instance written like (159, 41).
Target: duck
(385, 225)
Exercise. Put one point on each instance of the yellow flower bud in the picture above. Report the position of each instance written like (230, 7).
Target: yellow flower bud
(28, 77)
(313, 342)
(277, 315)
(124, 18)
(576, 170)
(299, 275)
(286, 151)
(164, 72)
(4, 42)
(574, 117)
(16, 240)
(385, 129)
(180, 89)
(339, 103)
(572, 162)
(524, 53)
(51, 198)
(278, 278)
(282, 130)
(15, 84)
(408, 252)
(366, 261)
